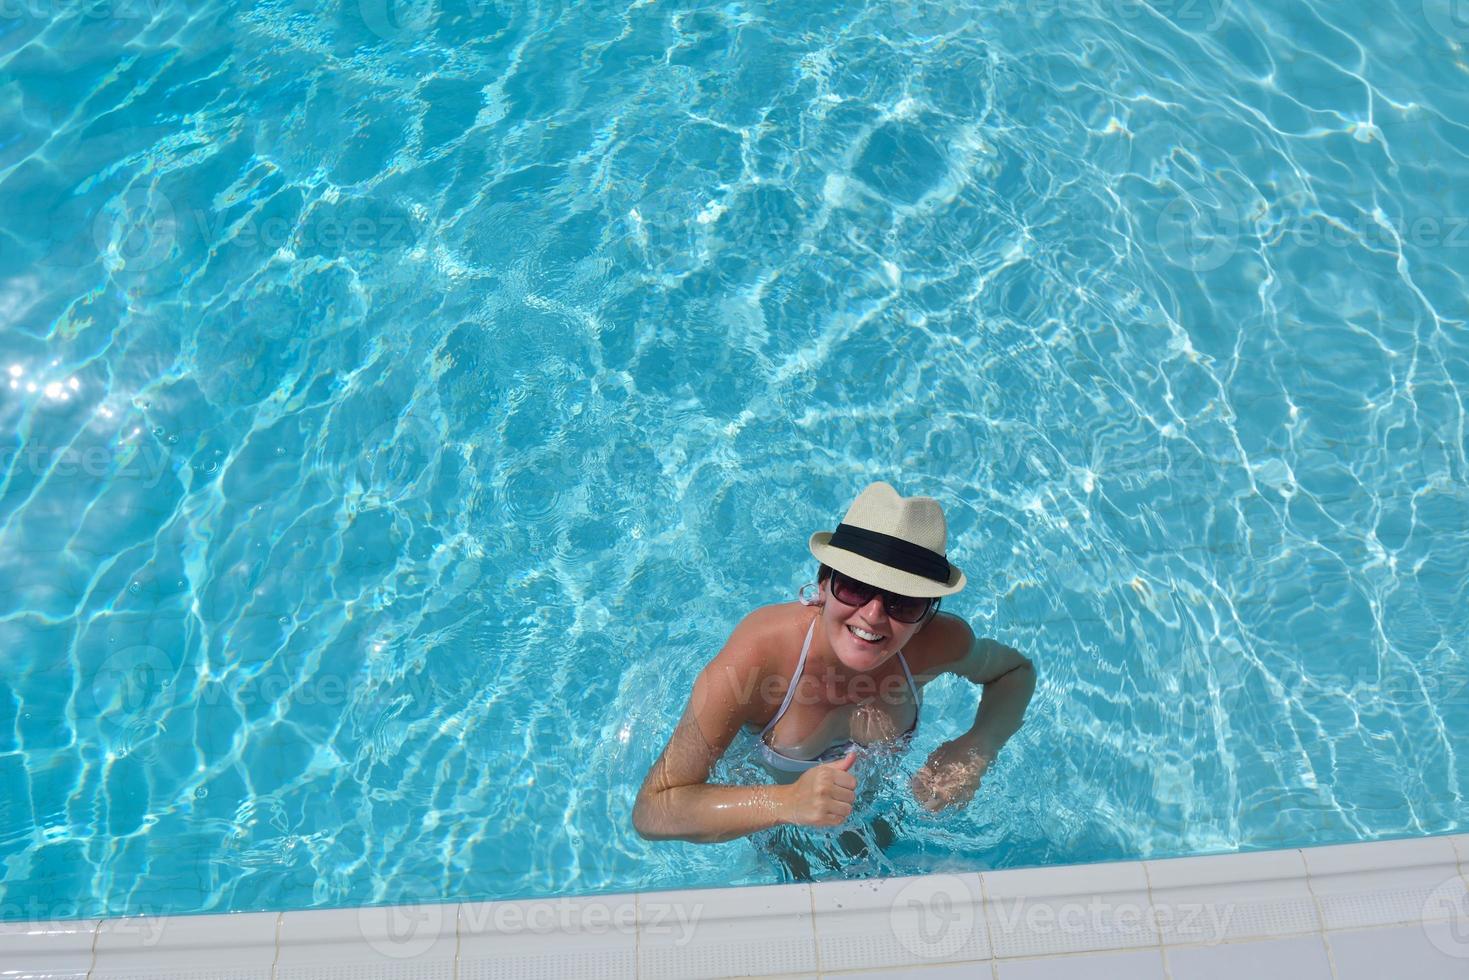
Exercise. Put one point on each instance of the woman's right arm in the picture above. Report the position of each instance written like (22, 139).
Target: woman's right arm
(676, 801)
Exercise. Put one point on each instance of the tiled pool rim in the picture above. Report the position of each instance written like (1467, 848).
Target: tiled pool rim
(1375, 911)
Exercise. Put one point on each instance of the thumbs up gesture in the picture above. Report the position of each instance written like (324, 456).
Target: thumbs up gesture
(824, 794)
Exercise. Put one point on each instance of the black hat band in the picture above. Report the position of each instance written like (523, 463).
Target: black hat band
(902, 555)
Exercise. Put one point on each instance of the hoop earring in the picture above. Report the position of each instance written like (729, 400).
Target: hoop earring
(812, 600)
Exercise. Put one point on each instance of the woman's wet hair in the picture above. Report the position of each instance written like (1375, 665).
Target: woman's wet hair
(824, 572)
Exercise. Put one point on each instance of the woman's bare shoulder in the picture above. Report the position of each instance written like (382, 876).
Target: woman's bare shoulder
(759, 636)
(944, 642)
(735, 676)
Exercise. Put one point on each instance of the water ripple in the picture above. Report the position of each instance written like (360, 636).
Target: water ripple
(377, 380)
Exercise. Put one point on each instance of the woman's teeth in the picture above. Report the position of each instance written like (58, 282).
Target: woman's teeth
(862, 634)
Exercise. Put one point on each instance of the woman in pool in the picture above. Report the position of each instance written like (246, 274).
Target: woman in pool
(822, 676)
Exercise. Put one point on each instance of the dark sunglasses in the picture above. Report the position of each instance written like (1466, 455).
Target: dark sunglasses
(902, 608)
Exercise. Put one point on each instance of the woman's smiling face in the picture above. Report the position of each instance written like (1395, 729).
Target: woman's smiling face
(862, 637)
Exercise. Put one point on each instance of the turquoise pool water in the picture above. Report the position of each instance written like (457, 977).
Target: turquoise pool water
(402, 401)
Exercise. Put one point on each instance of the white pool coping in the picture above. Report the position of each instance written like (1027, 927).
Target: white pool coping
(1372, 911)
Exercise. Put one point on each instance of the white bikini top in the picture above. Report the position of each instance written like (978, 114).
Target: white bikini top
(784, 763)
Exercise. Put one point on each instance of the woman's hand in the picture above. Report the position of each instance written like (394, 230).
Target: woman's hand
(950, 776)
(824, 794)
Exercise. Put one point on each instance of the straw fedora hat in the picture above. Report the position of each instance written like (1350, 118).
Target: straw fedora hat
(894, 542)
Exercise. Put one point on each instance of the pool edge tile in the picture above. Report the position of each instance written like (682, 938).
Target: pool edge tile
(1216, 898)
(798, 929)
(62, 949)
(237, 945)
(1095, 965)
(576, 935)
(1461, 848)
(728, 932)
(1386, 883)
(923, 920)
(1069, 909)
(1422, 951)
(385, 941)
(1310, 955)
(1378, 855)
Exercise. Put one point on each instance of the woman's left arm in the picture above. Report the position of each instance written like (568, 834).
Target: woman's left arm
(953, 772)
(1008, 680)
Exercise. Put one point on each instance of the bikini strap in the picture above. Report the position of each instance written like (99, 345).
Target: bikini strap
(791, 691)
(917, 694)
